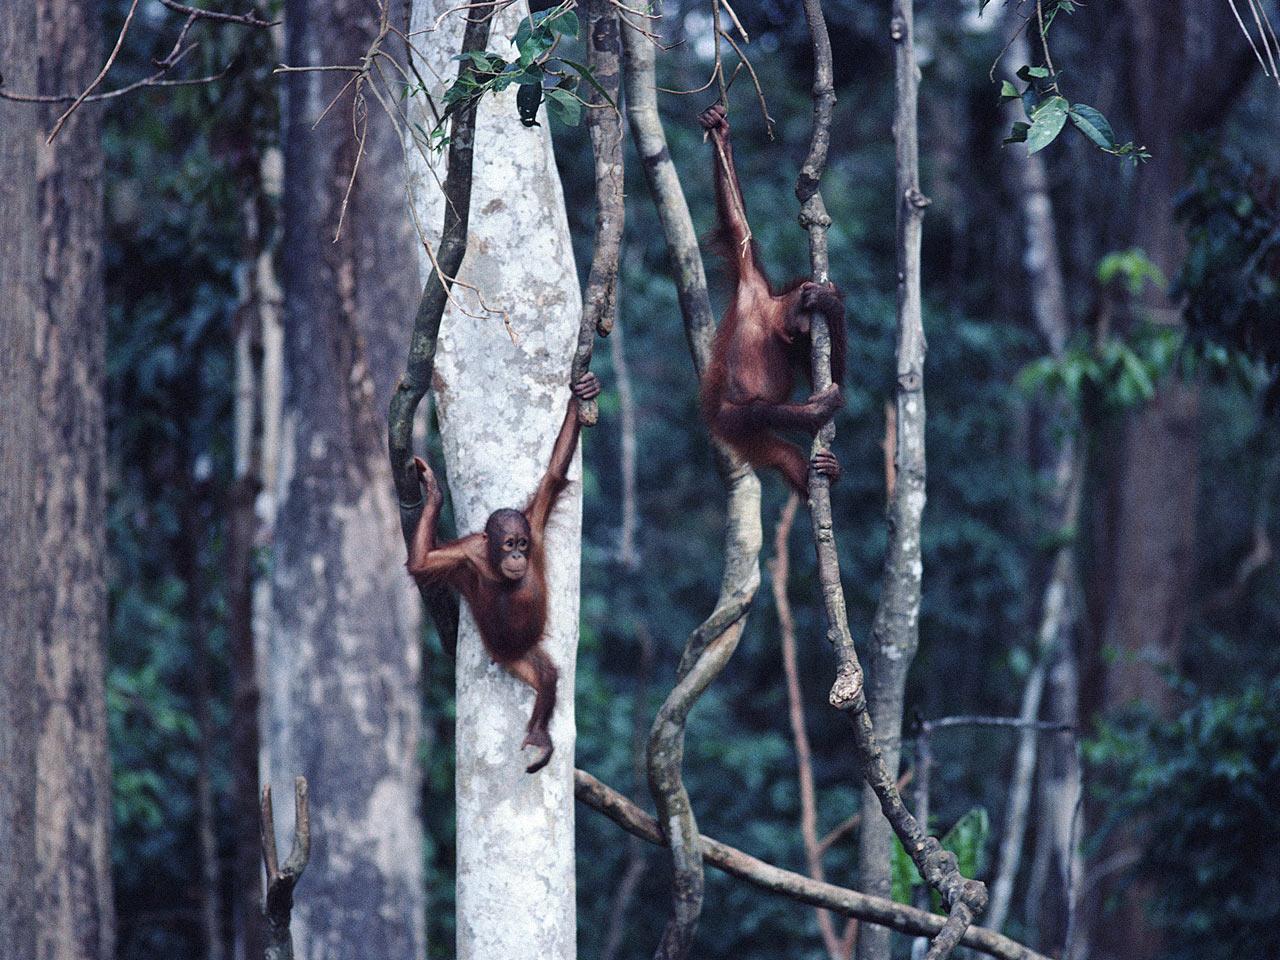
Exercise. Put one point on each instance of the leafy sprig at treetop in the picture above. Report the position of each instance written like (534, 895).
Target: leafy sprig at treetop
(1047, 108)
(542, 77)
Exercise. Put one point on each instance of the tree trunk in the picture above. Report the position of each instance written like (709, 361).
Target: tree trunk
(895, 631)
(341, 663)
(73, 785)
(501, 399)
(1195, 56)
(19, 380)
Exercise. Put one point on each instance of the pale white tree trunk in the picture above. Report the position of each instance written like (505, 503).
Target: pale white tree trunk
(501, 404)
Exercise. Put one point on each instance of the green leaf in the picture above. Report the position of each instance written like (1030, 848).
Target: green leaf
(1093, 125)
(1033, 73)
(590, 78)
(566, 24)
(565, 106)
(1019, 133)
(968, 841)
(1046, 123)
(1008, 91)
(528, 98)
(903, 873)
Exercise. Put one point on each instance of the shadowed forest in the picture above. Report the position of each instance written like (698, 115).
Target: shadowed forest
(1091, 720)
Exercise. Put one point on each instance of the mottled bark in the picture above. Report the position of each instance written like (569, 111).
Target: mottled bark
(73, 784)
(500, 403)
(849, 903)
(341, 662)
(19, 385)
(710, 646)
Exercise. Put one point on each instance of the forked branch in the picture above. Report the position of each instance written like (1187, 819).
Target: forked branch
(282, 880)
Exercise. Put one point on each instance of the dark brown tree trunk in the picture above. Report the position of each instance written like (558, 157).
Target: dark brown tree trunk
(73, 784)
(19, 380)
(1187, 62)
(340, 667)
(247, 868)
(210, 887)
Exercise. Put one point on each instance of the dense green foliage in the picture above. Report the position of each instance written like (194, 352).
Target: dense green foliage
(175, 168)
(1210, 783)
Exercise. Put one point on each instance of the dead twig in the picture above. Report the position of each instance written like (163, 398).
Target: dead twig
(282, 880)
(165, 65)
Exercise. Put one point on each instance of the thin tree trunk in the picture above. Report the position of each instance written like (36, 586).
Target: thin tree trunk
(895, 631)
(628, 562)
(259, 310)
(838, 945)
(210, 887)
(342, 659)
(1045, 280)
(501, 401)
(1195, 54)
(19, 439)
(73, 785)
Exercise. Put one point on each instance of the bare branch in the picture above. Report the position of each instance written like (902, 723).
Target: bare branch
(176, 54)
(282, 880)
(849, 903)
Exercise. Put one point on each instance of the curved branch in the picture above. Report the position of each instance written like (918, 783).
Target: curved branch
(766, 876)
(712, 644)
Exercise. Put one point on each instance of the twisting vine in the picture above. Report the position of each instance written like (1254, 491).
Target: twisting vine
(963, 898)
(711, 645)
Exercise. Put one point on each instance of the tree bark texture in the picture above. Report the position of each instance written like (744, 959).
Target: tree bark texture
(19, 385)
(501, 398)
(75, 911)
(341, 662)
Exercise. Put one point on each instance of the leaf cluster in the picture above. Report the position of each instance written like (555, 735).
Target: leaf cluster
(1204, 790)
(540, 75)
(1048, 110)
(1231, 277)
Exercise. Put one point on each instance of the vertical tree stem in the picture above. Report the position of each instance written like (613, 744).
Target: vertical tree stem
(900, 597)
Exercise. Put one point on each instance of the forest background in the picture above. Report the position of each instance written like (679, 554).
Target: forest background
(192, 189)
